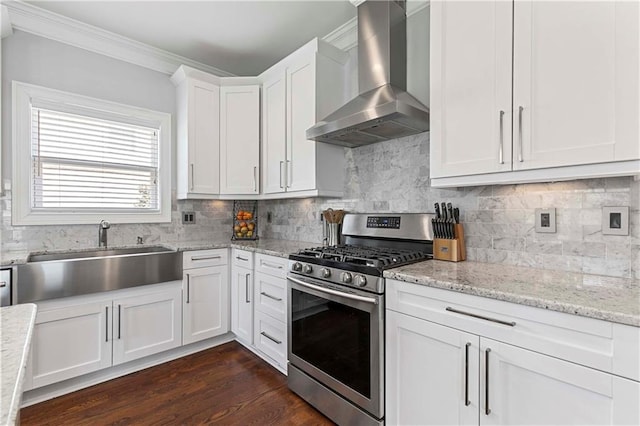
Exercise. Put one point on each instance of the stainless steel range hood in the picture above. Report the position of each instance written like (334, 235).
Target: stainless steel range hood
(383, 110)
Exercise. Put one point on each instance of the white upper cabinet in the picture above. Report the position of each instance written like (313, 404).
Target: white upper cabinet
(569, 110)
(218, 131)
(573, 83)
(198, 133)
(297, 92)
(239, 139)
(470, 87)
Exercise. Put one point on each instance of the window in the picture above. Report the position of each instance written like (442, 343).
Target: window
(81, 160)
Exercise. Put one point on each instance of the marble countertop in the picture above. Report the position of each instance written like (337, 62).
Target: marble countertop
(280, 248)
(595, 296)
(16, 329)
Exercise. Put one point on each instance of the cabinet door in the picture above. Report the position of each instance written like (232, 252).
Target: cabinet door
(203, 138)
(431, 373)
(576, 83)
(301, 114)
(69, 342)
(206, 303)
(242, 303)
(274, 137)
(470, 87)
(239, 140)
(526, 387)
(145, 325)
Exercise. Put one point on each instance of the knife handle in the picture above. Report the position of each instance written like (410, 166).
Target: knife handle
(437, 210)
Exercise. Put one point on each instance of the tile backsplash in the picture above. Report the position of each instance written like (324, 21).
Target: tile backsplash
(499, 221)
(393, 176)
(213, 222)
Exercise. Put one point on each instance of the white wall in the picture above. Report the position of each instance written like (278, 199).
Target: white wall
(36, 60)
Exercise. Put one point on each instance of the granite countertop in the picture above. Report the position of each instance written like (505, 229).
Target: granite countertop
(271, 247)
(595, 296)
(280, 248)
(16, 329)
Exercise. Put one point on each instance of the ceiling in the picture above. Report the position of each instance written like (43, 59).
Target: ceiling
(240, 37)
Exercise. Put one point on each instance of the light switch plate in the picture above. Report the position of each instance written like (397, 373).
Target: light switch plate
(546, 220)
(188, 218)
(615, 221)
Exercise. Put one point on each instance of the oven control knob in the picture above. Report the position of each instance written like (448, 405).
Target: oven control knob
(361, 280)
(308, 269)
(346, 277)
(326, 273)
(297, 267)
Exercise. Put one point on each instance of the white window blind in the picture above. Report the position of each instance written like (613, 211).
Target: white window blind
(82, 163)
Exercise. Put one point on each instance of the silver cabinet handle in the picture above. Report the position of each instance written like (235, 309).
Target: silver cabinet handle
(188, 285)
(277, 299)
(487, 410)
(281, 184)
(246, 288)
(466, 374)
(3, 284)
(273, 339)
(289, 174)
(255, 178)
(334, 292)
(242, 258)
(520, 158)
(191, 186)
(106, 323)
(482, 317)
(271, 265)
(501, 152)
(119, 320)
(205, 257)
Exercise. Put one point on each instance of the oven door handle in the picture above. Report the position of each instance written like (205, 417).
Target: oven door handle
(334, 292)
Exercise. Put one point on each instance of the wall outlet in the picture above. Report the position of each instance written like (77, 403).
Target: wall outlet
(546, 220)
(188, 218)
(615, 221)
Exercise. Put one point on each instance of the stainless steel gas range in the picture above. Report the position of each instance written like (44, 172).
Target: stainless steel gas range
(336, 313)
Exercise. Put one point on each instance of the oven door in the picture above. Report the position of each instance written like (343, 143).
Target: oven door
(336, 336)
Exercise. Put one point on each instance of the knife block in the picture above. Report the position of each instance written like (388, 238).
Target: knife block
(451, 250)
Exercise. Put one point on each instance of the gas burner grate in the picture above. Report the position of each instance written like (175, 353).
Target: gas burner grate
(377, 257)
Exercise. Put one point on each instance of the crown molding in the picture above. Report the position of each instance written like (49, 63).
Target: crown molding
(41, 22)
(345, 36)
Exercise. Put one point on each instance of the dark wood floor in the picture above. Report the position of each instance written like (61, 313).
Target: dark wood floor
(225, 385)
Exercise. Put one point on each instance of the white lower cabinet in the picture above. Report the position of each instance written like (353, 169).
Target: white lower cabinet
(80, 335)
(437, 374)
(147, 324)
(431, 373)
(206, 295)
(525, 387)
(242, 296)
(69, 342)
(259, 305)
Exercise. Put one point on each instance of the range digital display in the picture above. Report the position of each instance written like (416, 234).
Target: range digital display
(392, 222)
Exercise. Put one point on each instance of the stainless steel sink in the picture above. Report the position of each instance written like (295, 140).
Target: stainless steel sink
(83, 254)
(54, 275)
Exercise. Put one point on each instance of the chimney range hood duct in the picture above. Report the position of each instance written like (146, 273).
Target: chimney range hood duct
(383, 110)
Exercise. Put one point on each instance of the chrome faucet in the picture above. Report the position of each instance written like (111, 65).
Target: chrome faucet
(102, 233)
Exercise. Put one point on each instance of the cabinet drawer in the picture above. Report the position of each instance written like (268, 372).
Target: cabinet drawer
(271, 295)
(271, 265)
(242, 258)
(204, 258)
(270, 337)
(595, 343)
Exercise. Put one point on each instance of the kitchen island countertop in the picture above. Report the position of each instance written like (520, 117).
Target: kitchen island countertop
(595, 296)
(16, 330)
